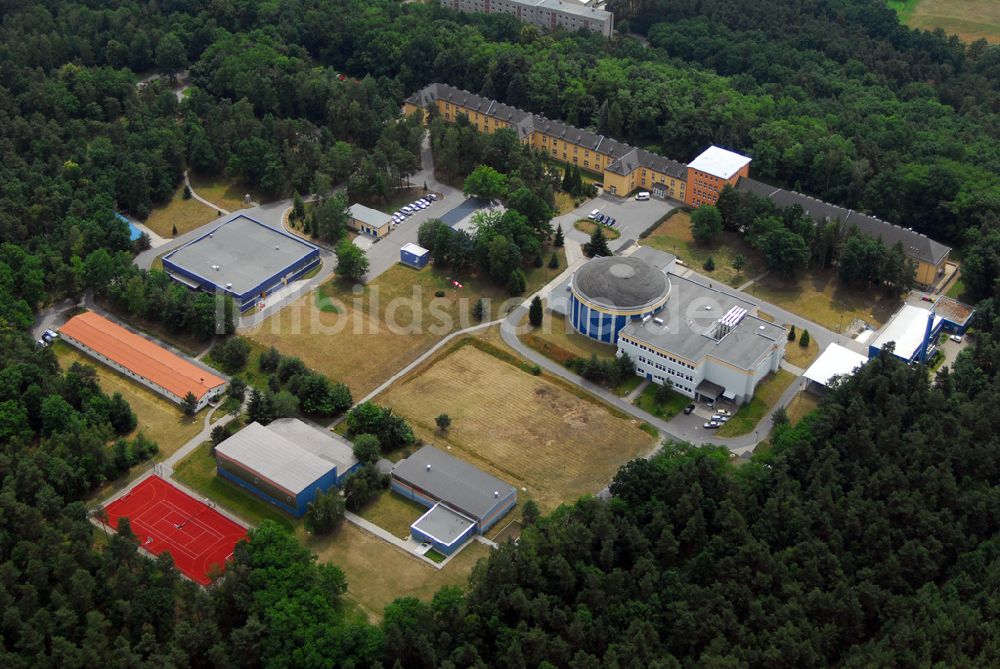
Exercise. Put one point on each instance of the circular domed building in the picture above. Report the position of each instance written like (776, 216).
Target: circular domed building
(607, 293)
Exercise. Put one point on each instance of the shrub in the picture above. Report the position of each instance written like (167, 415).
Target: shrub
(709, 264)
(231, 354)
(269, 360)
(438, 293)
(804, 339)
(325, 513)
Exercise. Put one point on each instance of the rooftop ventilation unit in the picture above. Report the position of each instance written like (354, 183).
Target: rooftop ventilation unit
(729, 321)
(216, 268)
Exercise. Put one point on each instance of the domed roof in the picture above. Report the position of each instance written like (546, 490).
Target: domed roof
(621, 283)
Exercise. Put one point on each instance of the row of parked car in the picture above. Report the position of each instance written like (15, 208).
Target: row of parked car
(412, 208)
(718, 419)
(603, 219)
(47, 338)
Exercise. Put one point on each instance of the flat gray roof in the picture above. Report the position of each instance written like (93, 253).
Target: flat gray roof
(274, 458)
(661, 260)
(323, 443)
(360, 212)
(443, 524)
(452, 481)
(246, 252)
(620, 282)
(690, 319)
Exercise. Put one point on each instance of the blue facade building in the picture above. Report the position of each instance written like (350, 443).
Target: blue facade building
(457, 493)
(414, 256)
(608, 293)
(243, 258)
(286, 463)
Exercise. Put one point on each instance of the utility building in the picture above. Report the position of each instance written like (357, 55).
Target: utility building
(243, 258)
(414, 256)
(368, 221)
(464, 500)
(285, 462)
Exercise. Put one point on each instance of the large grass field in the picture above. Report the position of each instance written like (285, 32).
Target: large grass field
(768, 393)
(820, 297)
(160, 420)
(527, 430)
(377, 572)
(361, 339)
(969, 19)
(185, 215)
(674, 236)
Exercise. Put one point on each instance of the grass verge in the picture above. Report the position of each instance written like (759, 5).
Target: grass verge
(768, 393)
(665, 410)
(587, 227)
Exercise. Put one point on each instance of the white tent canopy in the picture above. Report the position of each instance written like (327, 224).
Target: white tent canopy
(835, 361)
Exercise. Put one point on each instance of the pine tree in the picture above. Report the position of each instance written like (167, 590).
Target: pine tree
(791, 334)
(709, 264)
(517, 282)
(479, 309)
(804, 339)
(298, 207)
(558, 241)
(598, 245)
(535, 312)
(189, 404)
(567, 181)
(174, 231)
(554, 261)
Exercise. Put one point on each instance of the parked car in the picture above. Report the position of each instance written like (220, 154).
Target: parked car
(407, 209)
(712, 424)
(956, 338)
(688, 409)
(723, 412)
(432, 196)
(642, 195)
(41, 343)
(610, 222)
(593, 215)
(51, 334)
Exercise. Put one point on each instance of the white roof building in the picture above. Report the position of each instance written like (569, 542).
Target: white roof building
(834, 361)
(911, 328)
(719, 162)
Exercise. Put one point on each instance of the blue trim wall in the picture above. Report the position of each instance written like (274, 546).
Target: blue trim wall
(343, 477)
(301, 500)
(257, 491)
(248, 299)
(411, 259)
(440, 547)
(483, 524)
(598, 325)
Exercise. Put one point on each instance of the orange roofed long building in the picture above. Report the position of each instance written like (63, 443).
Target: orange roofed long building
(140, 359)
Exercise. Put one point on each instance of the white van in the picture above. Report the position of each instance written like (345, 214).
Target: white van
(593, 214)
(642, 195)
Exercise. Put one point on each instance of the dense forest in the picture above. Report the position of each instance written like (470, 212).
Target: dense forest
(866, 537)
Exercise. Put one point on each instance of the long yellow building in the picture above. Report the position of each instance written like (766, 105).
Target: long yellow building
(626, 169)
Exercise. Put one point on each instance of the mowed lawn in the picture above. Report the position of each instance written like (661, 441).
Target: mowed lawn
(527, 430)
(186, 215)
(819, 296)
(556, 339)
(223, 192)
(768, 393)
(674, 236)
(362, 338)
(393, 512)
(969, 19)
(377, 572)
(159, 419)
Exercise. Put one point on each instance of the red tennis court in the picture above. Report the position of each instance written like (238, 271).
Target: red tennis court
(166, 519)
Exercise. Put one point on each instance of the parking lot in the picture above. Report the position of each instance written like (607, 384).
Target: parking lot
(632, 216)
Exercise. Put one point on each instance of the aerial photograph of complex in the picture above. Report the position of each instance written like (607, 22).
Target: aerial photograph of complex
(528, 334)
